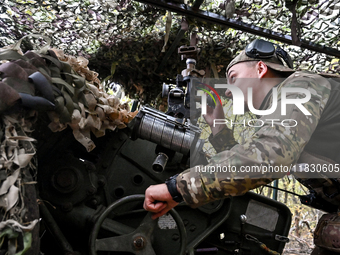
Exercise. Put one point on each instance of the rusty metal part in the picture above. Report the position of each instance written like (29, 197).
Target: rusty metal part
(139, 242)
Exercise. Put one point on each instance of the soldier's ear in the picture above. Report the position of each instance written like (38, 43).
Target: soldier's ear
(261, 69)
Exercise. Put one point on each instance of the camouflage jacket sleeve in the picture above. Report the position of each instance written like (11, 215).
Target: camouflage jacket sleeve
(223, 140)
(276, 145)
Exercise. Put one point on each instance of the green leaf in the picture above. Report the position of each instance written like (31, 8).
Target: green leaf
(113, 68)
(27, 240)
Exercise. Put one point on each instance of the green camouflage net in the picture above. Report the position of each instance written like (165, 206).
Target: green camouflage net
(126, 42)
(124, 39)
(60, 87)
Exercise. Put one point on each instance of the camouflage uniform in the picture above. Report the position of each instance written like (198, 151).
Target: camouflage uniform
(272, 144)
(327, 235)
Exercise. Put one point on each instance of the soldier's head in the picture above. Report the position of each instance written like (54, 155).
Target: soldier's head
(259, 60)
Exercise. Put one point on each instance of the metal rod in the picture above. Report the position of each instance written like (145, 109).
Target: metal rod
(287, 191)
(54, 229)
(116, 227)
(237, 24)
(197, 4)
(173, 46)
(276, 185)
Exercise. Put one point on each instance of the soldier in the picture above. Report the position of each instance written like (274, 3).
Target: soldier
(275, 143)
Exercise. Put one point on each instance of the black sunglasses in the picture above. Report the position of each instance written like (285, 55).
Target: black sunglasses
(262, 49)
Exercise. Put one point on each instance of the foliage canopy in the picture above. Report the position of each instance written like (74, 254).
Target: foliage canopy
(123, 39)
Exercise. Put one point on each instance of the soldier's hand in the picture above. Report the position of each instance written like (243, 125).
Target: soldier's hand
(213, 114)
(158, 200)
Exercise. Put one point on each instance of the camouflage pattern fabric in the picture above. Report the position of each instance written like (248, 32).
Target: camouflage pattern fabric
(272, 144)
(223, 140)
(273, 62)
(327, 233)
(31, 84)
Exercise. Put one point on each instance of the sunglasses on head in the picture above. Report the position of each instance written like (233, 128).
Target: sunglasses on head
(261, 49)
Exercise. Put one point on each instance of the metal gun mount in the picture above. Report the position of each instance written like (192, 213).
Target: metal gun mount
(95, 197)
(173, 134)
(179, 94)
(172, 131)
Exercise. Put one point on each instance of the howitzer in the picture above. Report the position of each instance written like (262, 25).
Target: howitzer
(90, 200)
(102, 205)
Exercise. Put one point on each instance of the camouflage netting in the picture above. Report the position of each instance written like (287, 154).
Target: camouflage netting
(126, 42)
(33, 84)
(124, 39)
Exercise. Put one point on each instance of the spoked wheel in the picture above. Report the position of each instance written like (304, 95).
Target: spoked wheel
(138, 241)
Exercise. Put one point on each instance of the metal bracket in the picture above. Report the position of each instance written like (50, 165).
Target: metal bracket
(282, 238)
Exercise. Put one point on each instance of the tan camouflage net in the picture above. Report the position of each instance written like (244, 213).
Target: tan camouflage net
(16, 156)
(103, 111)
(80, 103)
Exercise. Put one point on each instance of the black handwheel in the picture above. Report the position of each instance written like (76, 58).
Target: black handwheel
(137, 242)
